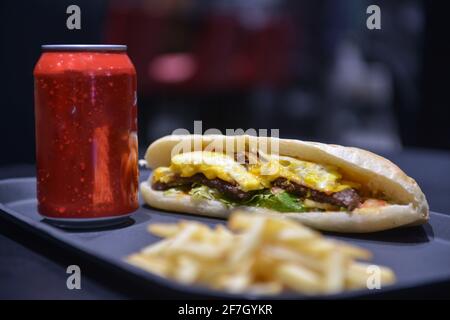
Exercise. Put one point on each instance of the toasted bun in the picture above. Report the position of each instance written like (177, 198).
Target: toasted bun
(368, 169)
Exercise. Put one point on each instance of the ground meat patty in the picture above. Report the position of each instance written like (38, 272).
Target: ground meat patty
(231, 191)
(347, 198)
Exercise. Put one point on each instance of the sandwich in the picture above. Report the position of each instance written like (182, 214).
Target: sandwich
(327, 187)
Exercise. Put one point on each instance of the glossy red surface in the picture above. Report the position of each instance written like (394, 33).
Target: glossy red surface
(86, 134)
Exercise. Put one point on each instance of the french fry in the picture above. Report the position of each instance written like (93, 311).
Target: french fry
(259, 254)
(284, 254)
(180, 239)
(297, 234)
(157, 266)
(334, 280)
(359, 273)
(156, 248)
(187, 270)
(235, 282)
(354, 252)
(299, 278)
(266, 288)
(198, 250)
(163, 230)
(249, 241)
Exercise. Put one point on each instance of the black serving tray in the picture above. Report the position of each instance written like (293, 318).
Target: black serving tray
(420, 256)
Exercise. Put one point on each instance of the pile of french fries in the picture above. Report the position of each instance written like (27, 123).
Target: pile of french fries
(258, 254)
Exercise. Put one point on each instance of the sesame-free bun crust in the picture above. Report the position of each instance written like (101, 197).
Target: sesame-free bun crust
(370, 170)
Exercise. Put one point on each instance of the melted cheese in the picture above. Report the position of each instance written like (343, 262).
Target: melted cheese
(315, 176)
(214, 165)
(258, 176)
(163, 174)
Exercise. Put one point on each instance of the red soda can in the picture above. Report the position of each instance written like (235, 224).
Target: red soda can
(86, 132)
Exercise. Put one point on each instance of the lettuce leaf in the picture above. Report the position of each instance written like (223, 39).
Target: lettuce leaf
(281, 202)
(201, 192)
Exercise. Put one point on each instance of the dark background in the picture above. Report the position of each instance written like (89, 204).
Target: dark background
(310, 68)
